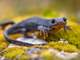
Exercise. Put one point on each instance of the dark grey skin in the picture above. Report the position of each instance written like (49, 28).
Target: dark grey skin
(36, 23)
(32, 24)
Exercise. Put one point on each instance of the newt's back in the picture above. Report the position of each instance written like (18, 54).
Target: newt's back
(36, 20)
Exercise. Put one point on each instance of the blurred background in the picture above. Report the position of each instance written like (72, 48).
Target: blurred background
(52, 8)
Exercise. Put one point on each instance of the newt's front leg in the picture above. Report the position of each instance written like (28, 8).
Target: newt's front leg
(45, 35)
(43, 32)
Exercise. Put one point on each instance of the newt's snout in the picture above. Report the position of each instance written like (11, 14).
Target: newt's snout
(58, 23)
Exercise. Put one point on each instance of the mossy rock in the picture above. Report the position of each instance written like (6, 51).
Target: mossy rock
(62, 46)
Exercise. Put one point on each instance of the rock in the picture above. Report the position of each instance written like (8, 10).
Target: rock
(66, 55)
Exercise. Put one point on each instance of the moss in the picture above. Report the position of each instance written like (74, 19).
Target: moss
(13, 52)
(62, 46)
(48, 56)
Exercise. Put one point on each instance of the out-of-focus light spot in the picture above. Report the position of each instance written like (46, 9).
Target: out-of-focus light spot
(62, 14)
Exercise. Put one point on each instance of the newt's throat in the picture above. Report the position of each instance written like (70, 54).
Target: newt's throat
(57, 27)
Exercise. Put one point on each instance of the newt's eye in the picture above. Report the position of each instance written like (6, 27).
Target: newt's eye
(53, 21)
(64, 19)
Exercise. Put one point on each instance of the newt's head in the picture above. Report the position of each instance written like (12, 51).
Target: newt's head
(58, 23)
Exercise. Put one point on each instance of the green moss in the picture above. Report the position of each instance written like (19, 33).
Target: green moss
(48, 56)
(62, 46)
(13, 52)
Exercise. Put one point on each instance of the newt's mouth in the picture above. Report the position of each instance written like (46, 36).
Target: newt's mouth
(57, 26)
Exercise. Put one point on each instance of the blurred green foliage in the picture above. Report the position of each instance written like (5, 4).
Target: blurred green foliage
(49, 13)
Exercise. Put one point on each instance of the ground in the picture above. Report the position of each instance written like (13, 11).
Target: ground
(71, 36)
